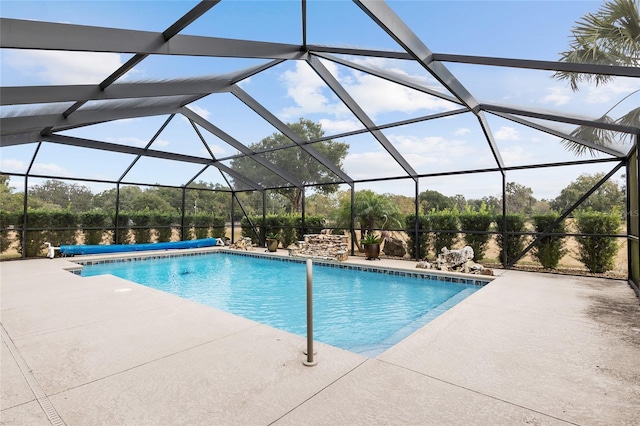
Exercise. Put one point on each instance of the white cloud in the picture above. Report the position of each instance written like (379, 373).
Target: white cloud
(216, 149)
(377, 96)
(613, 91)
(160, 142)
(305, 88)
(505, 133)
(373, 94)
(244, 83)
(18, 166)
(557, 96)
(49, 169)
(423, 151)
(58, 67)
(358, 165)
(339, 126)
(13, 165)
(461, 131)
(515, 155)
(202, 112)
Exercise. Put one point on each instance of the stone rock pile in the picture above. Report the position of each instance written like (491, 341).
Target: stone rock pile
(322, 246)
(456, 261)
(243, 243)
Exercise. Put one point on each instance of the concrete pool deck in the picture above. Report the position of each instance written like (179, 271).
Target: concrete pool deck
(529, 348)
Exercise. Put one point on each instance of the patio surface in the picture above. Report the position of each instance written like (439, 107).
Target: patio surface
(529, 348)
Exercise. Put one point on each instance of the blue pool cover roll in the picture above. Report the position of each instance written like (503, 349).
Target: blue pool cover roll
(71, 250)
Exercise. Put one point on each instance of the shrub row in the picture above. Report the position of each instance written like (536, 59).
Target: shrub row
(436, 230)
(289, 227)
(63, 227)
(440, 229)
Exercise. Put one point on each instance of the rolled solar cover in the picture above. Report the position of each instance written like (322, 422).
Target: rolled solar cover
(72, 250)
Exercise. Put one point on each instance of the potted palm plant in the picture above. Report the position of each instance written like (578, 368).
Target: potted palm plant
(273, 240)
(371, 243)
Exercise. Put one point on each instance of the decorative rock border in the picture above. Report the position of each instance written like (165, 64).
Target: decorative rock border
(322, 246)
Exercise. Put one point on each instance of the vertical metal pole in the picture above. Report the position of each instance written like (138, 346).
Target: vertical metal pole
(25, 209)
(303, 214)
(416, 223)
(504, 220)
(233, 220)
(117, 218)
(263, 228)
(309, 362)
(353, 219)
(184, 201)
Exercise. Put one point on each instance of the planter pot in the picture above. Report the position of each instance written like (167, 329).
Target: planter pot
(372, 251)
(272, 244)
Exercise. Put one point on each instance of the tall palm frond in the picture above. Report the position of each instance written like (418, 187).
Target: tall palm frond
(602, 136)
(610, 36)
(590, 134)
(631, 119)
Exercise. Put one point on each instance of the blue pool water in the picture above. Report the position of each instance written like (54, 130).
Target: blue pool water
(361, 311)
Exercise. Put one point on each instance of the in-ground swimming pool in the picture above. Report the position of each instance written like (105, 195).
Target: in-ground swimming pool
(354, 309)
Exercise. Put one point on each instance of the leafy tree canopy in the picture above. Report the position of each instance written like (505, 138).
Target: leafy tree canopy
(8, 200)
(519, 198)
(604, 199)
(295, 161)
(54, 192)
(430, 200)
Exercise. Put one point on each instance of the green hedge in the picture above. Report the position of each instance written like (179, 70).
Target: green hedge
(54, 226)
(8, 220)
(124, 226)
(142, 224)
(597, 253)
(550, 249)
(422, 238)
(60, 227)
(288, 226)
(204, 224)
(479, 221)
(164, 223)
(94, 225)
(511, 245)
(444, 229)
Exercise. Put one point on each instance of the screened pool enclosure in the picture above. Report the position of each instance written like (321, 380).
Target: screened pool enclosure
(397, 97)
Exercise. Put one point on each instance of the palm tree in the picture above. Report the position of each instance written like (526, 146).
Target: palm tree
(371, 210)
(610, 36)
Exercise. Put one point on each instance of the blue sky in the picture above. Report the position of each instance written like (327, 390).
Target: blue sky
(516, 29)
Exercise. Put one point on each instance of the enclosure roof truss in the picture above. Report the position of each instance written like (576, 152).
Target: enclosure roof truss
(50, 110)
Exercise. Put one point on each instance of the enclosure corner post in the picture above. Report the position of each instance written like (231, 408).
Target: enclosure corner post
(233, 218)
(117, 216)
(416, 230)
(353, 220)
(504, 220)
(184, 201)
(25, 208)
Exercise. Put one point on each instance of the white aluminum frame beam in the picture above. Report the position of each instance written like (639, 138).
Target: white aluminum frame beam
(24, 34)
(142, 152)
